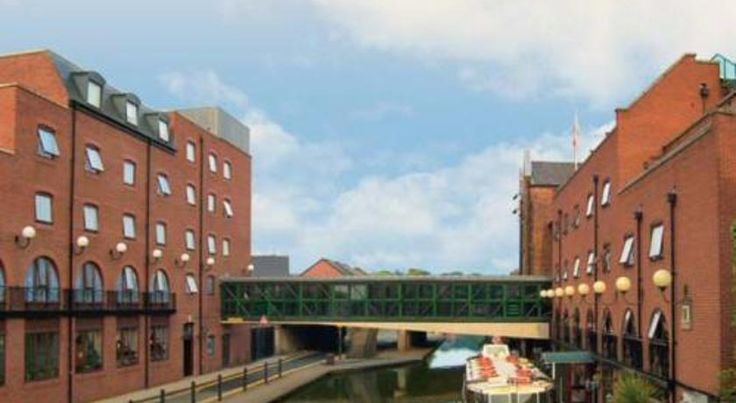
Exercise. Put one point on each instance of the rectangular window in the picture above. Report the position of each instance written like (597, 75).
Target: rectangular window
(126, 346)
(164, 187)
(591, 262)
(191, 195)
(129, 173)
(131, 113)
(129, 226)
(163, 130)
(227, 170)
(211, 244)
(225, 247)
(88, 356)
(94, 94)
(228, 208)
(210, 285)
(47, 145)
(159, 343)
(211, 345)
(576, 268)
(191, 284)
(189, 239)
(655, 245)
(627, 252)
(94, 160)
(589, 209)
(91, 219)
(606, 194)
(211, 201)
(213, 163)
(44, 208)
(191, 151)
(41, 356)
(160, 233)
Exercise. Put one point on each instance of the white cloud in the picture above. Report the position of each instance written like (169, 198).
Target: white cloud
(596, 49)
(383, 110)
(306, 204)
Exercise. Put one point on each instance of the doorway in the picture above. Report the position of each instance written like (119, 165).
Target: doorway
(188, 338)
(225, 350)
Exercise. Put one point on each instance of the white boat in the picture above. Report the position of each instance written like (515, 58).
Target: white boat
(497, 376)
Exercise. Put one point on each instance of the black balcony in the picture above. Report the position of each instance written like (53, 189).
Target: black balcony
(46, 301)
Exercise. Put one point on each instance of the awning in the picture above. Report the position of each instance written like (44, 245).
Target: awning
(567, 357)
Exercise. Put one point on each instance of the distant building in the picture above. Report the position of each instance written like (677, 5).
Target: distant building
(331, 268)
(270, 266)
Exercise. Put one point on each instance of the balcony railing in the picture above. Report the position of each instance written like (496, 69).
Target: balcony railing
(21, 300)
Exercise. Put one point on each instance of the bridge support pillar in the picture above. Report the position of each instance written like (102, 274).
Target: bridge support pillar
(362, 342)
(403, 340)
(285, 341)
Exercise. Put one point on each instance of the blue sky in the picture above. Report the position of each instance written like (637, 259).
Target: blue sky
(385, 134)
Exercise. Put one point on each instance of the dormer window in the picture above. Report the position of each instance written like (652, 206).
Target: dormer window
(94, 94)
(163, 130)
(131, 112)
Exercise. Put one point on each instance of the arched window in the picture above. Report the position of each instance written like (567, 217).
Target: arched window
(160, 289)
(631, 341)
(592, 332)
(89, 284)
(659, 345)
(127, 285)
(566, 327)
(577, 331)
(42, 282)
(610, 340)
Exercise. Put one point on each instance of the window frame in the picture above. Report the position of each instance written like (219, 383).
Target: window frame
(227, 170)
(606, 193)
(591, 263)
(49, 199)
(163, 185)
(211, 244)
(627, 250)
(131, 112)
(126, 164)
(97, 342)
(211, 202)
(93, 159)
(187, 245)
(227, 207)
(160, 233)
(191, 147)
(660, 252)
(576, 267)
(159, 339)
(44, 134)
(44, 365)
(191, 194)
(165, 134)
(212, 162)
(94, 210)
(124, 358)
(226, 247)
(190, 284)
(128, 217)
(96, 102)
(590, 206)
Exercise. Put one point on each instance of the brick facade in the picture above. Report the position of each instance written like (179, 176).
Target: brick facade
(34, 93)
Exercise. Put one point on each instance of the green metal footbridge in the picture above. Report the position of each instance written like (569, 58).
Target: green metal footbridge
(489, 305)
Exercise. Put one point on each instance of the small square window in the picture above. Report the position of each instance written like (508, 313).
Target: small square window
(191, 151)
(228, 208)
(47, 145)
(227, 170)
(44, 210)
(189, 239)
(129, 226)
(129, 173)
(211, 244)
(163, 130)
(627, 252)
(131, 113)
(191, 285)
(160, 233)
(164, 187)
(606, 194)
(94, 160)
(213, 163)
(655, 245)
(91, 219)
(191, 195)
(94, 94)
(211, 201)
(225, 247)
(589, 209)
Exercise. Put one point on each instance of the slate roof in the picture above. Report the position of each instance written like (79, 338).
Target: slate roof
(547, 173)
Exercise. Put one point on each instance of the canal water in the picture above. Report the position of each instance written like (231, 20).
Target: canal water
(439, 379)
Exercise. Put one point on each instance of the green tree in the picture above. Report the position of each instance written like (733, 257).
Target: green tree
(417, 272)
(632, 388)
(728, 385)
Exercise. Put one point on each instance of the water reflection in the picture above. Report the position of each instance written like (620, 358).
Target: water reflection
(438, 380)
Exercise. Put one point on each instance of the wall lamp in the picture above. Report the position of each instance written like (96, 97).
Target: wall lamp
(622, 284)
(157, 254)
(119, 250)
(210, 262)
(182, 260)
(81, 245)
(25, 237)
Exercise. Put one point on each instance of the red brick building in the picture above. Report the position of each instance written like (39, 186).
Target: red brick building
(655, 197)
(118, 221)
(331, 268)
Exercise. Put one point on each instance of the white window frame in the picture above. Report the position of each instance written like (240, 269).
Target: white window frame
(656, 242)
(191, 151)
(44, 208)
(211, 244)
(94, 93)
(591, 262)
(627, 251)
(129, 230)
(129, 171)
(576, 267)
(191, 284)
(47, 144)
(590, 206)
(211, 202)
(225, 247)
(227, 170)
(191, 195)
(91, 215)
(163, 130)
(164, 186)
(228, 208)
(161, 233)
(606, 193)
(94, 159)
(190, 240)
(131, 112)
(212, 159)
